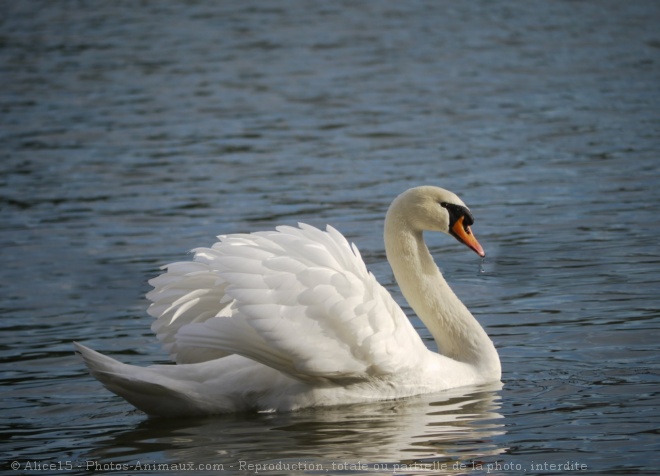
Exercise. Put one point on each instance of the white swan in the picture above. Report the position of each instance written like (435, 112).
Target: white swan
(287, 319)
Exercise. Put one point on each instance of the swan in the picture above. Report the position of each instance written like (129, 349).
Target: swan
(291, 318)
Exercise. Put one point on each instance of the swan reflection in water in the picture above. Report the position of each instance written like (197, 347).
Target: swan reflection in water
(422, 432)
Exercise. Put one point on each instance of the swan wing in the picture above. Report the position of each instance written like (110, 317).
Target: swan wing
(297, 299)
(187, 293)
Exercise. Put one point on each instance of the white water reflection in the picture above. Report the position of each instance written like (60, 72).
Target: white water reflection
(425, 432)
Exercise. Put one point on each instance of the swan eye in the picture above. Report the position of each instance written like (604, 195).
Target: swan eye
(456, 212)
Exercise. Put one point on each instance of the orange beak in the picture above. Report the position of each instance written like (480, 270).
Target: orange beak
(465, 235)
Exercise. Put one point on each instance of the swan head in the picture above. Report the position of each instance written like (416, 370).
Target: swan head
(430, 208)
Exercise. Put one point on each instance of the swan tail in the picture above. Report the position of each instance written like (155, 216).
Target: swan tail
(144, 388)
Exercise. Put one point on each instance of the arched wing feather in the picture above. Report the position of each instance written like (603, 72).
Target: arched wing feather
(297, 299)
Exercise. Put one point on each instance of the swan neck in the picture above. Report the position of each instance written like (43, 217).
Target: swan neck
(456, 332)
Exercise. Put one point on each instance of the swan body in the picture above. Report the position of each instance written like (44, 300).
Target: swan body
(291, 318)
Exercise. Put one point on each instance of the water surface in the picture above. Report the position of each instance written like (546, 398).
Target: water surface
(134, 132)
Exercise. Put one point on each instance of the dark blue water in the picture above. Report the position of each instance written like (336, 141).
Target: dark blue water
(133, 132)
